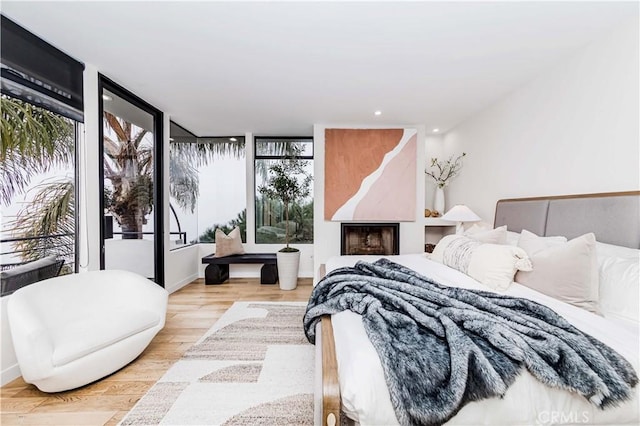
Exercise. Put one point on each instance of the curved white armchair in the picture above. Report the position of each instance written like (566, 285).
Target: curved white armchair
(74, 329)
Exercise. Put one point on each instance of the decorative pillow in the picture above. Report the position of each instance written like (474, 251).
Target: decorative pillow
(227, 245)
(565, 271)
(619, 276)
(491, 236)
(494, 265)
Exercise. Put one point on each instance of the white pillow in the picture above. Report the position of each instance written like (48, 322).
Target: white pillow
(491, 236)
(604, 250)
(493, 265)
(532, 243)
(512, 238)
(227, 245)
(565, 271)
(619, 274)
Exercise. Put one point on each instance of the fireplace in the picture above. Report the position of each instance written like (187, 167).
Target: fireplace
(370, 238)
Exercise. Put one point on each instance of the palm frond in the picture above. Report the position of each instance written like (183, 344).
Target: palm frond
(47, 224)
(184, 183)
(32, 141)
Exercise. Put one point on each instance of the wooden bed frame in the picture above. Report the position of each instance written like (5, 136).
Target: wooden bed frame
(625, 218)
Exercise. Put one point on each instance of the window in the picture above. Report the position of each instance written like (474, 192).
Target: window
(270, 214)
(41, 111)
(183, 187)
(207, 186)
(38, 185)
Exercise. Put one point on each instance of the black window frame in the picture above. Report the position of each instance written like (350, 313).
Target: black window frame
(256, 157)
(158, 171)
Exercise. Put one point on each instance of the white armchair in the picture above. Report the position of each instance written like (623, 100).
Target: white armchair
(74, 329)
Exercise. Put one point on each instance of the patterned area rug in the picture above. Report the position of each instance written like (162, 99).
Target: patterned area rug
(253, 367)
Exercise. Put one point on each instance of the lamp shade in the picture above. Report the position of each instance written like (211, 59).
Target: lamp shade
(461, 213)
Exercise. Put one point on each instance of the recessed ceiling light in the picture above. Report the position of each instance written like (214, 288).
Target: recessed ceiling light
(436, 130)
(233, 139)
(107, 98)
(378, 113)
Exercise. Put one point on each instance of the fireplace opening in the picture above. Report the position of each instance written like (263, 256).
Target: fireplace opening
(370, 238)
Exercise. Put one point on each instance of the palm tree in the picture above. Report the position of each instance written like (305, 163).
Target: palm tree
(184, 159)
(33, 140)
(128, 166)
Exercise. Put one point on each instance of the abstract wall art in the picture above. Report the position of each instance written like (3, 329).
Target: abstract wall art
(370, 174)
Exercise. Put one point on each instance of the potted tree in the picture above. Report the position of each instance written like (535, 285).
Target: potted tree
(288, 182)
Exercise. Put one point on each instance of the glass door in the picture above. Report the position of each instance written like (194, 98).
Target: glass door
(131, 189)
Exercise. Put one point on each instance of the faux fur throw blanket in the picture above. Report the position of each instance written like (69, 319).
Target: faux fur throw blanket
(442, 347)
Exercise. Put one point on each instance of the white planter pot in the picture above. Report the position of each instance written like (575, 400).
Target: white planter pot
(288, 265)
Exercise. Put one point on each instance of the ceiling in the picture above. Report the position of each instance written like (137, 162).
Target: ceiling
(277, 68)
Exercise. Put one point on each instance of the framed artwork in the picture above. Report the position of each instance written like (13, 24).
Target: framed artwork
(370, 174)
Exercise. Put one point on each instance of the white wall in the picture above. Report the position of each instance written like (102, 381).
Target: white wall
(181, 267)
(327, 233)
(574, 129)
(434, 148)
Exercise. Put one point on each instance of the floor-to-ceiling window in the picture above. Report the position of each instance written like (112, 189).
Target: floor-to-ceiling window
(131, 183)
(41, 115)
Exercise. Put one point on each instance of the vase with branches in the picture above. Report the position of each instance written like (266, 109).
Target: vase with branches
(442, 171)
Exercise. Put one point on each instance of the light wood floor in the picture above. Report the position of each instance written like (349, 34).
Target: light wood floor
(192, 311)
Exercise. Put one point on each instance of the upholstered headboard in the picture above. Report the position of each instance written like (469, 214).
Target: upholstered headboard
(613, 217)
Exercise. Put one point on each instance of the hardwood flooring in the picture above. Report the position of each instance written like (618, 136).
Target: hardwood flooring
(191, 312)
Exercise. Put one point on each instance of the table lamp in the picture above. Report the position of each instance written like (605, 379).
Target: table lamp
(460, 214)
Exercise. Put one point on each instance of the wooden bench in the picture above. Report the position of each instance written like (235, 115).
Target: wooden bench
(217, 270)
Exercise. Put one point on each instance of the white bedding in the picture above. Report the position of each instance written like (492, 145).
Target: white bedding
(364, 393)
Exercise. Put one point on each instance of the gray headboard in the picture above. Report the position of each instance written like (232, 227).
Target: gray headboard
(613, 217)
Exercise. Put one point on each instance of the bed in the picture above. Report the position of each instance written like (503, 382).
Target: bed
(350, 377)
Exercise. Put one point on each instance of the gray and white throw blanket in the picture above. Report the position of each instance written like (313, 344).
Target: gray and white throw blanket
(442, 347)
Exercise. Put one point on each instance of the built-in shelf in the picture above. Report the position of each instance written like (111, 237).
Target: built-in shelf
(435, 228)
(437, 221)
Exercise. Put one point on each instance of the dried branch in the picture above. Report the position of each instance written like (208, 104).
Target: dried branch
(446, 170)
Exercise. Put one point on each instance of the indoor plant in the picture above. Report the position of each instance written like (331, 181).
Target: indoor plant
(442, 173)
(288, 182)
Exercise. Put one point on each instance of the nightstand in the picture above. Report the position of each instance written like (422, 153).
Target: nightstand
(435, 228)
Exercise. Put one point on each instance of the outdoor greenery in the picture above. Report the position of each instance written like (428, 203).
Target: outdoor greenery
(184, 160)
(128, 166)
(209, 235)
(288, 182)
(35, 141)
(300, 223)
